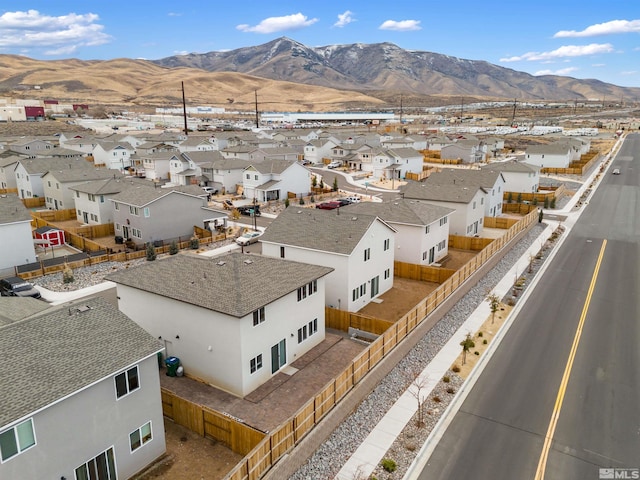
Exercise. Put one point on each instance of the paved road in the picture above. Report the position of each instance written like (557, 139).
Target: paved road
(499, 432)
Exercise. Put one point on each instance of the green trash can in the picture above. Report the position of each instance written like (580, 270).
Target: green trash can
(172, 364)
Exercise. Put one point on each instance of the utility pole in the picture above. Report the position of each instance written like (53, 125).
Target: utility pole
(255, 220)
(461, 109)
(184, 111)
(400, 111)
(257, 117)
(513, 115)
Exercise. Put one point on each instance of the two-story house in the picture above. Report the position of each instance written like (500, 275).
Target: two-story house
(144, 213)
(235, 320)
(113, 155)
(552, 155)
(57, 184)
(92, 199)
(422, 229)
(81, 399)
(225, 174)
(29, 173)
(359, 248)
(274, 179)
(519, 177)
(466, 200)
(7, 171)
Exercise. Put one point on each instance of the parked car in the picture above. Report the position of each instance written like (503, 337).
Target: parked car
(616, 171)
(354, 199)
(328, 205)
(249, 210)
(248, 238)
(17, 287)
(228, 204)
(210, 190)
(334, 164)
(343, 201)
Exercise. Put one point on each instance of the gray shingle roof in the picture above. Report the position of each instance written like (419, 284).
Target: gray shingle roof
(439, 193)
(19, 308)
(511, 166)
(43, 165)
(138, 194)
(484, 178)
(56, 353)
(324, 230)
(272, 166)
(82, 174)
(107, 186)
(405, 211)
(235, 284)
(13, 210)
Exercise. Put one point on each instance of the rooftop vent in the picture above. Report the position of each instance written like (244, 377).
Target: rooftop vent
(247, 262)
(221, 263)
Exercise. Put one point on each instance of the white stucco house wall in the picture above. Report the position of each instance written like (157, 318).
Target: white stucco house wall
(113, 155)
(359, 249)
(73, 406)
(422, 229)
(16, 239)
(553, 155)
(237, 320)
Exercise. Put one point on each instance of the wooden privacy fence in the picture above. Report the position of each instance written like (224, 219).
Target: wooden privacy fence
(423, 273)
(239, 437)
(342, 320)
(282, 439)
(35, 202)
(50, 216)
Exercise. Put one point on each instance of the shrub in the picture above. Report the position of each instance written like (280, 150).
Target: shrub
(67, 275)
(436, 399)
(173, 248)
(480, 334)
(484, 342)
(476, 353)
(389, 465)
(151, 252)
(451, 390)
(301, 201)
(286, 203)
(194, 243)
(511, 301)
(455, 369)
(446, 379)
(312, 199)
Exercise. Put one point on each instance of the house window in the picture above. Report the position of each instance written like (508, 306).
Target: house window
(92, 198)
(424, 256)
(255, 177)
(127, 382)
(248, 177)
(136, 233)
(117, 227)
(426, 229)
(94, 217)
(387, 243)
(48, 182)
(443, 221)
(57, 185)
(482, 201)
(387, 273)
(146, 212)
(117, 206)
(375, 286)
(281, 252)
(258, 316)
(255, 364)
(367, 254)
(16, 440)
(101, 198)
(302, 334)
(139, 437)
(474, 204)
(77, 193)
(103, 467)
(313, 326)
(134, 210)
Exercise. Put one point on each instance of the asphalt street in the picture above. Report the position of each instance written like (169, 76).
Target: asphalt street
(568, 369)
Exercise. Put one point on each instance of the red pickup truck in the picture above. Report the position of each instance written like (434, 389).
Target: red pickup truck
(328, 205)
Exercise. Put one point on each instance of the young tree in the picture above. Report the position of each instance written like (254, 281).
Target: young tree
(314, 181)
(519, 199)
(151, 252)
(335, 184)
(467, 344)
(494, 304)
(418, 385)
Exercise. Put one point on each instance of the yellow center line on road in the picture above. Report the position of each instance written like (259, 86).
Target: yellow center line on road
(548, 439)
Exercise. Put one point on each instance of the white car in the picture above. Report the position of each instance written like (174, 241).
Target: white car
(248, 238)
(210, 190)
(334, 164)
(354, 199)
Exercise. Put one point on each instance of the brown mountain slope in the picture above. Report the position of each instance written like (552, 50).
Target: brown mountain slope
(138, 82)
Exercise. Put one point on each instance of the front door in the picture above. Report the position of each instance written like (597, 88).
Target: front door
(278, 355)
(85, 217)
(125, 232)
(432, 254)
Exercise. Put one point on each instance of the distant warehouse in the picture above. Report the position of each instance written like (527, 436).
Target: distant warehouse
(326, 117)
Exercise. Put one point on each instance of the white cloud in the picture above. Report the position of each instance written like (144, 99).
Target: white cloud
(344, 19)
(174, 14)
(629, 72)
(597, 65)
(607, 28)
(401, 26)
(562, 71)
(279, 24)
(59, 35)
(562, 52)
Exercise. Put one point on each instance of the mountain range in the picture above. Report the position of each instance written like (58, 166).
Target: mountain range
(385, 67)
(286, 75)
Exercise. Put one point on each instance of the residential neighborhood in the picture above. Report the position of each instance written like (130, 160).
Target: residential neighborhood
(344, 217)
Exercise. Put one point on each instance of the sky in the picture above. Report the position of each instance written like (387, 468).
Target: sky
(584, 39)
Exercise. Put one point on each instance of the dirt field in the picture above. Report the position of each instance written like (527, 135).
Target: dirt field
(191, 457)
